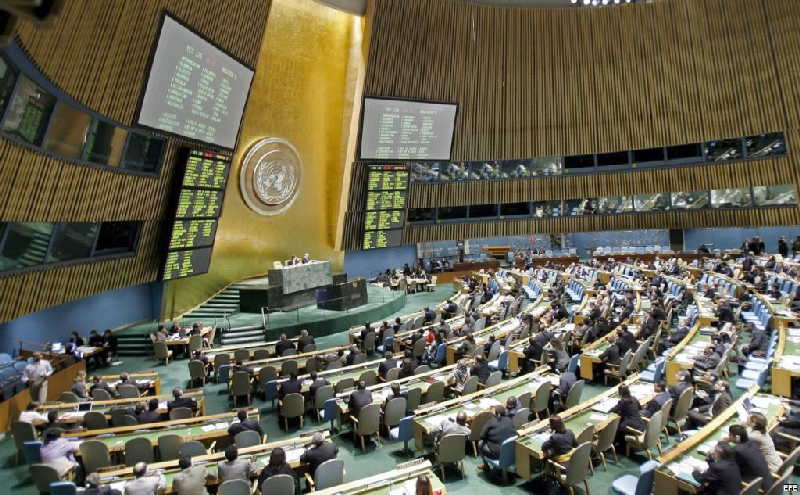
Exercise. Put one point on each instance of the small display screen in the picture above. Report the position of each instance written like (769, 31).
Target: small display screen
(185, 263)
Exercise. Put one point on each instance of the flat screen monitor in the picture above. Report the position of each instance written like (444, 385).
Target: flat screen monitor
(406, 130)
(194, 89)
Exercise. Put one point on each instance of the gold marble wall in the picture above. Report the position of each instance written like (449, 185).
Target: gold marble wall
(303, 91)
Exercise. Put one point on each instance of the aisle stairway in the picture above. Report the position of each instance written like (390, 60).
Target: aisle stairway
(224, 303)
(134, 345)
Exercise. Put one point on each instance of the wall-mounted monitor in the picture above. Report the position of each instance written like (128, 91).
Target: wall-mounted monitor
(194, 89)
(393, 129)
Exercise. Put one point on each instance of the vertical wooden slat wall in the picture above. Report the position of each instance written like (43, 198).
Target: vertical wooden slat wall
(545, 82)
(97, 51)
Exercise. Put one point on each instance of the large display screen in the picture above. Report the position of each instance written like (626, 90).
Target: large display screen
(194, 89)
(407, 130)
(198, 206)
(386, 202)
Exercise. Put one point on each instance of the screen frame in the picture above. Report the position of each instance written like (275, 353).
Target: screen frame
(149, 68)
(364, 99)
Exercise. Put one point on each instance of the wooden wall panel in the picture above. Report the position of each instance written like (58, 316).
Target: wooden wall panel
(97, 52)
(545, 82)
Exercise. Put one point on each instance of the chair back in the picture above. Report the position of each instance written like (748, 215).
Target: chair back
(312, 364)
(508, 452)
(441, 354)
(22, 432)
(370, 377)
(293, 406)
(344, 384)
(752, 488)
(578, 464)
(524, 400)
(160, 350)
(392, 375)
(478, 422)
(329, 474)
(322, 394)
(369, 343)
(240, 384)
(223, 373)
(452, 448)
(282, 484)
(494, 352)
(288, 367)
(94, 455)
(197, 370)
(100, 394)
(777, 488)
(665, 409)
(62, 488)
(790, 460)
(43, 475)
(647, 471)
(413, 398)
(260, 354)
(269, 371)
(234, 487)
(195, 343)
(32, 452)
(95, 420)
(653, 431)
(574, 395)
(169, 447)
(541, 400)
(309, 348)
(221, 359)
(605, 437)
(572, 365)
(586, 435)
(247, 438)
(521, 417)
(494, 378)
(683, 405)
(181, 413)
(138, 450)
(394, 412)
(192, 448)
(419, 348)
(130, 391)
(68, 397)
(241, 355)
(470, 386)
(435, 393)
(423, 368)
(368, 420)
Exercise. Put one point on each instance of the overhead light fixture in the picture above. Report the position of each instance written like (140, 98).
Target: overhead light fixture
(605, 2)
(587, 2)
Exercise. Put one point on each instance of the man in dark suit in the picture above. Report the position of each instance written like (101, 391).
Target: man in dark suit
(497, 429)
(181, 401)
(430, 315)
(677, 336)
(481, 369)
(701, 415)
(759, 341)
(612, 353)
(625, 341)
(360, 398)
(151, 415)
(725, 314)
(100, 384)
(649, 327)
(94, 486)
(654, 405)
(752, 464)
(319, 452)
(723, 476)
(244, 424)
(316, 383)
(707, 361)
(291, 386)
(395, 394)
(283, 345)
(388, 363)
(304, 340)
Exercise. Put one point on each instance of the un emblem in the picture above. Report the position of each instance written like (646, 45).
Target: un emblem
(269, 178)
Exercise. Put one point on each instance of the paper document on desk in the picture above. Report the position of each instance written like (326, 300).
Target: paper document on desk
(487, 403)
(293, 455)
(208, 428)
(76, 414)
(598, 417)
(642, 390)
(762, 402)
(408, 487)
(605, 405)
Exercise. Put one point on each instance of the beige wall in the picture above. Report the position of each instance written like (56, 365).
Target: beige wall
(303, 91)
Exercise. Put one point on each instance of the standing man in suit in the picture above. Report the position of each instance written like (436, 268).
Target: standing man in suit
(723, 476)
(181, 401)
(144, 482)
(244, 424)
(360, 398)
(191, 480)
(388, 363)
(319, 452)
(233, 468)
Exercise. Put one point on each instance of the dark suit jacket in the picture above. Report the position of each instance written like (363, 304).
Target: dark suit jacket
(565, 382)
(678, 335)
(721, 478)
(247, 424)
(358, 400)
(290, 387)
(482, 371)
(630, 414)
(282, 346)
(752, 463)
(182, 402)
(304, 341)
(149, 417)
(611, 354)
(385, 366)
(317, 455)
(560, 443)
(319, 382)
(654, 404)
(496, 430)
(625, 342)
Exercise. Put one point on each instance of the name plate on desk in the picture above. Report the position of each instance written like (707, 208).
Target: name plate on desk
(298, 278)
